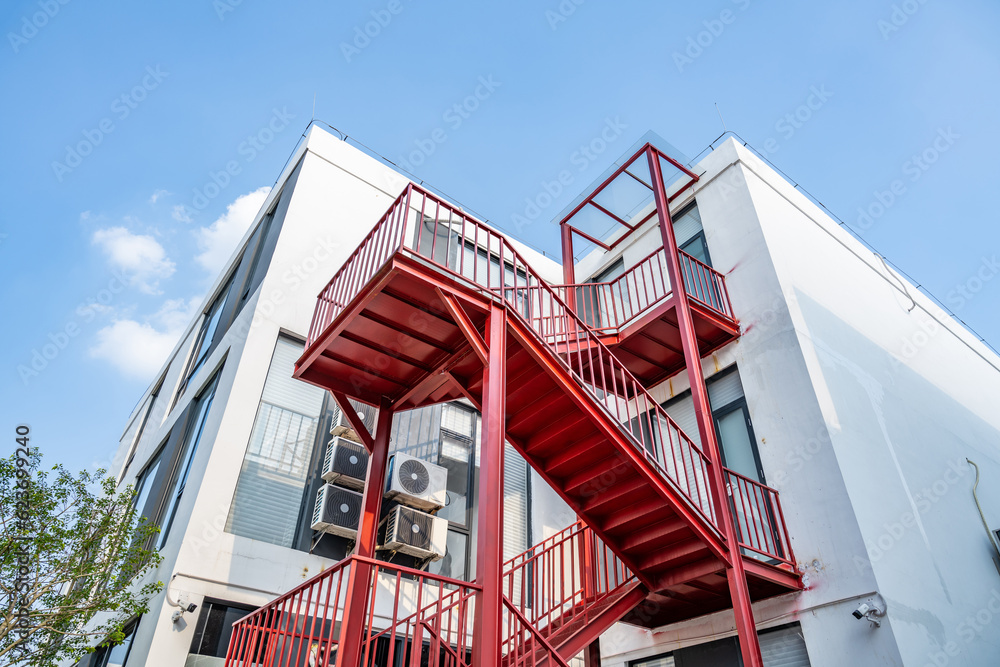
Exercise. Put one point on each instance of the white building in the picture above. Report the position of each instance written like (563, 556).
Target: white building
(846, 390)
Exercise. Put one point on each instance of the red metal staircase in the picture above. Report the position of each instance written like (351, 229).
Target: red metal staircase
(436, 306)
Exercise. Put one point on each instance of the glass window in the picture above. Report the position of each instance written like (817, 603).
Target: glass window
(271, 488)
(658, 661)
(192, 439)
(144, 482)
(256, 242)
(133, 434)
(690, 235)
(215, 627)
(117, 655)
(208, 335)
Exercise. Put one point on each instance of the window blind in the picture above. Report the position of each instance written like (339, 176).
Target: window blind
(271, 486)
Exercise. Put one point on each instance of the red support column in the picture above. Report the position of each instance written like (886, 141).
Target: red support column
(569, 268)
(487, 627)
(738, 589)
(352, 624)
(592, 655)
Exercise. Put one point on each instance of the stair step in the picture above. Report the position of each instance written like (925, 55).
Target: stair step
(656, 535)
(564, 428)
(576, 456)
(603, 475)
(620, 495)
(662, 559)
(540, 410)
(631, 518)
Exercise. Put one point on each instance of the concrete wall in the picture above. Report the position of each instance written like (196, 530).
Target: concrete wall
(908, 395)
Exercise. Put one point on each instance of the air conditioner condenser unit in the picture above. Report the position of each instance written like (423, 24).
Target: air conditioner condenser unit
(345, 463)
(337, 511)
(417, 483)
(415, 533)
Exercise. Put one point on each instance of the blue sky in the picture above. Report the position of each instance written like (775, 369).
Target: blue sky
(114, 243)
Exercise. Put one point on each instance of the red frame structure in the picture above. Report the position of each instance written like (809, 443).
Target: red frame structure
(435, 306)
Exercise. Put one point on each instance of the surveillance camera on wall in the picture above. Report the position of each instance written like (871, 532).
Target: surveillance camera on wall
(870, 612)
(860, 612)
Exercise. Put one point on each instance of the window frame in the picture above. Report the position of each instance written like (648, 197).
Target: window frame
(722, 411)
(102, 652)
(198, 635)
(199, 352)
(184, 458)
(134, 445)
(700, 235)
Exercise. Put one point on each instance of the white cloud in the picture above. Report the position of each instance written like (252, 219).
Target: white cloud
(180, 213)
(138, 349)
(156, 195)
(218, 240)
(141, 257)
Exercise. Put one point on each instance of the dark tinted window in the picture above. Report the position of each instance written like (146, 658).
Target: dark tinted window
(215, 627)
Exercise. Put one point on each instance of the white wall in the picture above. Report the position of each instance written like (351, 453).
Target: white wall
(908, 396)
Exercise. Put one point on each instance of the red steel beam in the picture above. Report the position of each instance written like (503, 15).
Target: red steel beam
(465, 325)
(356, 421)
(739, 589)
(353, 620)
(488, 623)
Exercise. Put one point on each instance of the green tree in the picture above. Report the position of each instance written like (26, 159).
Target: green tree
(72, 550)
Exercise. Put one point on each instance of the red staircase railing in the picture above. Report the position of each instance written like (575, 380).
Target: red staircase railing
(437, 232)
(705, 284)
(608, 307)
(525, 645)
(760, 522)
(411, 615)
(564, 578)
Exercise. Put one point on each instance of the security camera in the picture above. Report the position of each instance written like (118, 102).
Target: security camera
(869, 612)
(190, 608)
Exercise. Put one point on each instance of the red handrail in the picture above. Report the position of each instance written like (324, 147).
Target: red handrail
(563, 577)
(609, 307)
(299, 625)
(760, 522)
(524, 642)
(705, 284)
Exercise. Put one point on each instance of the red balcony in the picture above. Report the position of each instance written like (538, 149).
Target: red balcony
(636, 318)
